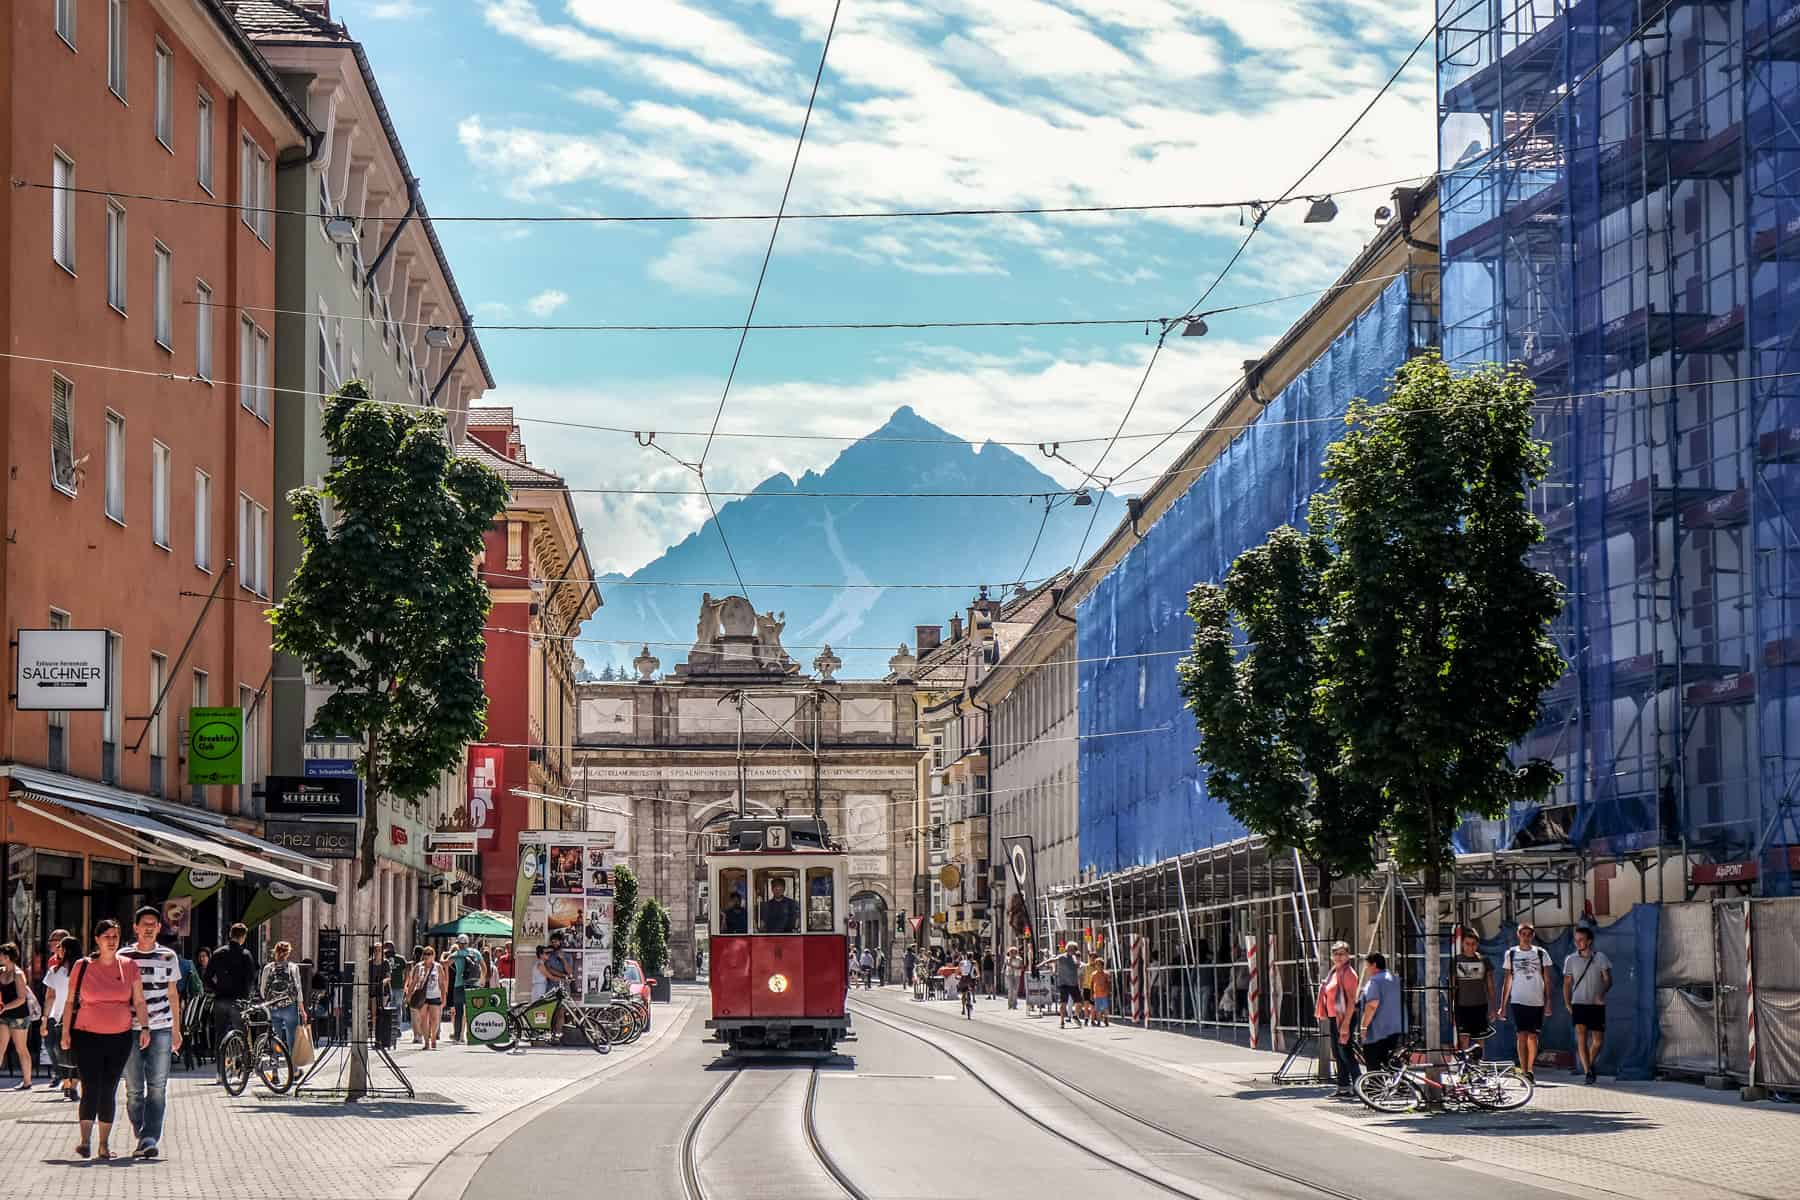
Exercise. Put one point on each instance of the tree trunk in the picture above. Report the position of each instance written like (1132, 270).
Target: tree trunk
(371, 824)
(1429, 920)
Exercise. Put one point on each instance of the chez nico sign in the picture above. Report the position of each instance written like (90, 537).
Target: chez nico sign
(61, 670)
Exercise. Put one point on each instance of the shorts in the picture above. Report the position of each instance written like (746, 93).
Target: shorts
(1528, 1018)
(1590, 1016)
(1471, 1019)
(1087, 995)
(1069, 993)
(1100, 1003)
(15, 1022)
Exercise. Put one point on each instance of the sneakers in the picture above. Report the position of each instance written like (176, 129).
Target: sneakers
(1592, 1078)
(145, 1149)
(23, 1087)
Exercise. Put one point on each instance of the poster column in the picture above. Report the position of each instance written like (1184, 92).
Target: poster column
(563, 897)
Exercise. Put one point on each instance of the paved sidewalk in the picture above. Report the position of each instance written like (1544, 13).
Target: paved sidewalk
(265, 1147)
(1669, 1141)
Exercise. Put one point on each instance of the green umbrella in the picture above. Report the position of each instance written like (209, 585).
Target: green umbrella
(479, 923)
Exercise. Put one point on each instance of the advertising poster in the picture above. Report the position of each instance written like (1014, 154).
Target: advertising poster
(565, 887)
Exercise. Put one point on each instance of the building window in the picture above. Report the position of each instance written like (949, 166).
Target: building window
(203, 142)
(328, 371)
(115, 467)
(247, 700)
(115, 47)
(253, 369)
(62, 212)
(65, 21)
(165, 96)
(202, 520)
(109, 717)
(159, 671)
(200, 701)
(165, 317)
(203, 330)
(58, 756)
(253, 188)
(159, 494)
(62, 434)
(115, 256)
(253, 546)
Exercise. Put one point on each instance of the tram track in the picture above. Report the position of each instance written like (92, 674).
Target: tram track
(690, 1140)
(890, 1020)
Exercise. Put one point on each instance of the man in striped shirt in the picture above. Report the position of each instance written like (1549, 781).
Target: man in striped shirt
(147, 1071)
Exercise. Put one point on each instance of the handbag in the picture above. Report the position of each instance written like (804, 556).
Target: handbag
(302, 1050)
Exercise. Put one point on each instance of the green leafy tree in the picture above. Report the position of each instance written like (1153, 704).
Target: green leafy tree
(652, 937)
(1271, 755)
(625, 898)
(386, 607)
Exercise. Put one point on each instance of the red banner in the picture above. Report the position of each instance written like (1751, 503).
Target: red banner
(485, 766)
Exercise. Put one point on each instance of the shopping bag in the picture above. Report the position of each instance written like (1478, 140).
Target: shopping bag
(302, 1049)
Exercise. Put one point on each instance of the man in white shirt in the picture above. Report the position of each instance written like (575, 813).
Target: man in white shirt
(147, 1070)
(1526, 993)
(1587, 977)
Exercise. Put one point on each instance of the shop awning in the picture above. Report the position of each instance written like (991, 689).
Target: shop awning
(171, 836)
(476, 923)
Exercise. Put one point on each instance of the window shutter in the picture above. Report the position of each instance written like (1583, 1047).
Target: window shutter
(62, 433)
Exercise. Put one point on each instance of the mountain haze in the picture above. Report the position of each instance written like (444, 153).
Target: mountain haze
(779, 536)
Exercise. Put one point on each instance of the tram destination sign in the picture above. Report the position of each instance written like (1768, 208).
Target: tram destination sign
(61, 670)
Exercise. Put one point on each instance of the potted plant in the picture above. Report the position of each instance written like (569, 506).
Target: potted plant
(652, 939)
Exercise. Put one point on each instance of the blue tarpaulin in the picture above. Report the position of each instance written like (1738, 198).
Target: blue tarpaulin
(1143, 794)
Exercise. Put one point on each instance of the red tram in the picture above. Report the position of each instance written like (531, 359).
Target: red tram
(778, 956)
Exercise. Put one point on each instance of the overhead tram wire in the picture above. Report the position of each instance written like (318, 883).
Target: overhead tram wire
(756, 294)
(1261, 213)
(704, 218)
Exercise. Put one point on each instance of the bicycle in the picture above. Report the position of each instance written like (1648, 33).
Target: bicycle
(1465, 1078)
(966, 991)
(254, 1045)
(625, 1018)
(533, 1022)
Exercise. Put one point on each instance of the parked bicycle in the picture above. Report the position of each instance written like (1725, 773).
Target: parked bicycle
(533, 1022)
(1464, 1078)
(254, 1046)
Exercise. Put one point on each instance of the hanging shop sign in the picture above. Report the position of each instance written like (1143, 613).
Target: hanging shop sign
(485, 763)
(62, 669)
(316, 839)
(453, 842)
(215, 746)
(331, 768)
(190, 888)
(298, 796)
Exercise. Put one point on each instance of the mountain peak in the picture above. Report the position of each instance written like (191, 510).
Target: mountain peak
(907, 423)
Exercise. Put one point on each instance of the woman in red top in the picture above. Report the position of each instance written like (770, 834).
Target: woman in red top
(1336, 1009)
(105, 994)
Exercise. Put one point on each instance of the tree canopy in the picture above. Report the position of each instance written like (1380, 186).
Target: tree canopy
(386, 607)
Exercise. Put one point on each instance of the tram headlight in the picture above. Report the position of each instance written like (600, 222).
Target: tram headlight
(778, 984)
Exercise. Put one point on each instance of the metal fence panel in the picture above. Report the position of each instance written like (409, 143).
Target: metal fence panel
(1684, 945)
(1687, 1041)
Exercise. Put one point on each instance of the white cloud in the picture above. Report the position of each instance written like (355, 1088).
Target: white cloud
(675, 26)
(494, 309)
(546, 302)
(396, 10)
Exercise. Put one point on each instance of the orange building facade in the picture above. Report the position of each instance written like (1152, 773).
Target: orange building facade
(137, 415)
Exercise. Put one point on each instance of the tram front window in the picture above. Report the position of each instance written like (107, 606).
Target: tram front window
(778, 911)
(734, 915)
(819, 914)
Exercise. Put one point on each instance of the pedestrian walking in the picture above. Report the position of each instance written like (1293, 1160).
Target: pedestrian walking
(881, 967)
(1382, 1018)
(968, 978)
(466, 969)
(413, 1009)
(1100, 985)
(1089, 969)
(989, 976)
(396, 981)
(231, 976)
(1587, 977)
(280, 989)
(1471, 991)
(1336, 1009)
(1525, 994)
(908, 963)
(197, 1013)
(1012, 978)
(866, 964)
(428, 987)
(1068, 985)
(18, 1011)
(65, 951)
(106, 999)
(147, 1070)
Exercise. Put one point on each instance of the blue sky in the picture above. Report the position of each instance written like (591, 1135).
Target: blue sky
(568, 107)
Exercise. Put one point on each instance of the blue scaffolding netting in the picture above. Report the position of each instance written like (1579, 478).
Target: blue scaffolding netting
(1143, 795)
(1621, 214)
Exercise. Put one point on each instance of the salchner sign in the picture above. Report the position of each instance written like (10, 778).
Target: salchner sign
(61, 670)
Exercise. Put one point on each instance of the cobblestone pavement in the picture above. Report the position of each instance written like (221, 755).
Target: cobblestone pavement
(260, 1146)
(1670, 1141)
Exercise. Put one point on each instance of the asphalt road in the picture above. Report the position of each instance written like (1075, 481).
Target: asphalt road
(921, 1105)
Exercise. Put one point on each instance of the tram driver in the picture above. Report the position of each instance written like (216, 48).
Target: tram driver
(780, 912)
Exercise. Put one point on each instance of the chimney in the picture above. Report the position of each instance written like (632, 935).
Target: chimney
(956, 627)
(927, 638)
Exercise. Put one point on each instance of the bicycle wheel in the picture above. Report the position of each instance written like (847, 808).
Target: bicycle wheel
(1388, 1092)
(589, 1024)
(274, 1064)
(616, 1022)
(1502, 1091)
(509, 1039)
(234, 1063)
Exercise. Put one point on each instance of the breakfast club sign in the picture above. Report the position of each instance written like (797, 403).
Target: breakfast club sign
(61, 670)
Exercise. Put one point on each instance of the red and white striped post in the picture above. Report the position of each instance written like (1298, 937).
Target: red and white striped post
(1255, 1005)
(1139, 981)
(1750, 990)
